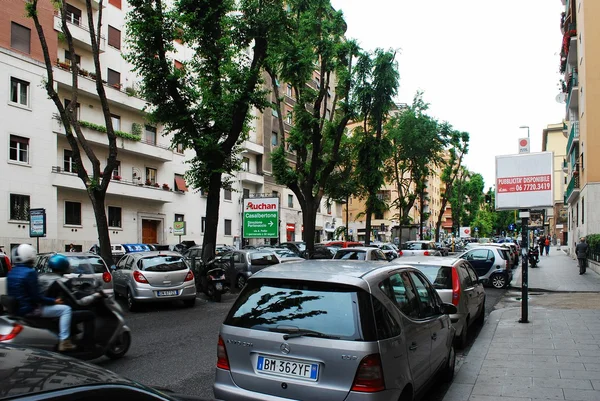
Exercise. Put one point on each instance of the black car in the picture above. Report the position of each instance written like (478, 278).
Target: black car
(31, 373)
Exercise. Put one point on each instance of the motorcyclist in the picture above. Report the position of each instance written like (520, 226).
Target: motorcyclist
(22, 283)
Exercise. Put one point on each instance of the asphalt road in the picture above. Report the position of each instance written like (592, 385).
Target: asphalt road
(175, 347)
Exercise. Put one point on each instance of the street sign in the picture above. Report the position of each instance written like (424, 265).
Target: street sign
(179, 228)
(37, 223)
(261, 218)
(465, 232)
(524, 145)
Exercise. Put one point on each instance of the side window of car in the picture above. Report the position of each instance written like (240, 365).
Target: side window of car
(472, 274)
(467, 280)
(490, 256)
(425, 296)
(237, 258)
(387, 326)
(379, 255)
(403, 294)
(129, 263)
(479, 254)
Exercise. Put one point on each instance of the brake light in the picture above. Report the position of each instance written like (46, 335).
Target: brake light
(8, 265)
(106, 277)
(455, 287)
(189, 276)
(426, 253)
(17, 328)
(222, 359)
(400, 253)
(369, 375)
(139, 277)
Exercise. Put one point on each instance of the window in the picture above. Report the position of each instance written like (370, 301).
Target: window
(20, 37)
(114, 216)
(150, 176)
(179, 217)
(274, 112)
(426, 297)
(73, 15)
(378, 216)
(179, 148)
(19, 207)
(245, 164)
(227, 194)
(150, 135)
(387, 326)
(178, 65)
(180, 184)
(246, 193)
(328, 208)
(116, 3)
(318, 82)
(290, 200)
(227, 227)
(73, 213)
(19, 91)
(275, 194)
(68, 162)
(114, 37)
(203, 224)
(117, 170)
(114, 78)
(274, 139)
(19, 149)
(288, 117)
(77, 108)
(116, 122)
(582, 210)
(76, 59)
(288, 90)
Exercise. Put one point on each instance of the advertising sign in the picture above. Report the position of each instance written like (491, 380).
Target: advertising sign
(37, 222)
(179, 228)
(523, 145)
(261, 218)
(524, 181)
(465, 232)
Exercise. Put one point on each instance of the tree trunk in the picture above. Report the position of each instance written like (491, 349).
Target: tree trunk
(309, 218)
(212, 217)
(421, 202)
(368, 216)
(97, 198)
(346, 237)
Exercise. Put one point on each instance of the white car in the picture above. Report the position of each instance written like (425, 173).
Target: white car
(363, 253)
(420, 248)
(4, 268)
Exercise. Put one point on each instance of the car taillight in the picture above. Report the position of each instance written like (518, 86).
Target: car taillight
(106, 277)
(426, 253)
(369, 376)
(139, 277)
(8, 265)
(399, 253)
(189, 276)
(455, 287)
(222, 359)
(13, 333)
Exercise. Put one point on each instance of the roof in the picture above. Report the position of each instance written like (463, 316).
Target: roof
(425, 260)
(154, 253)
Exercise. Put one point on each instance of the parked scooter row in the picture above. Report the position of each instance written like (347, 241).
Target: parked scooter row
(211, 281)
(533, 256)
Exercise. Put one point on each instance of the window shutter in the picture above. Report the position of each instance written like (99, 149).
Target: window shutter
(20, 38)
(116, 3)
(114, 37)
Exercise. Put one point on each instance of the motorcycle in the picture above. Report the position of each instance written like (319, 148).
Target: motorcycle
(111, 336)
(533, 256)
(212, 282)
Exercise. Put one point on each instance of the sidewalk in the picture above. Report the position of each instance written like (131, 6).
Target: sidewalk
(556, 356)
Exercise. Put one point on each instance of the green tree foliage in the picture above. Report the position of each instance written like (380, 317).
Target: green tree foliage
(205, 104)
(377, 84)
(314, 43)
(484, 222)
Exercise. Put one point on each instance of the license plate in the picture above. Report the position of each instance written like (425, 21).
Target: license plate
(168, 293)
(284, 367)
(219, 286)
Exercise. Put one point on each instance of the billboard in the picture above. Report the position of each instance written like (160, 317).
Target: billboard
(465, 232)
(261, 218)
(37, 222)
(524, 181)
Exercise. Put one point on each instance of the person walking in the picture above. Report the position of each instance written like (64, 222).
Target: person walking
(547, 245)
(541, 244)
(581, 250)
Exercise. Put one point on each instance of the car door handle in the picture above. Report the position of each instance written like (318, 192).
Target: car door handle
(434, 336)
(413, 347)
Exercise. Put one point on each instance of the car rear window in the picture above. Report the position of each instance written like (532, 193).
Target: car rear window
(415, 246)
(263, 258)
(86, 264)
(350, 255)
(440, 276)
(283, 305)
(503, 254)
(162, 263)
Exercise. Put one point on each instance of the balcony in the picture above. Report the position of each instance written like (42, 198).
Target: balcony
(572, 191)
(252, 147)
(128, 189)
(572, 56)
(573, 91)
(80, 33)
(573, 137)
(565, 166)
(246, 176)
(87, 85)
(137, 148)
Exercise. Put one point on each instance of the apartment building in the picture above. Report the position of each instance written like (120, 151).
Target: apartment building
(148, 192)
(554, 140)
(580, 63)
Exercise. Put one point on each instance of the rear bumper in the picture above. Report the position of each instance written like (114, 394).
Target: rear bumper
(148, 294)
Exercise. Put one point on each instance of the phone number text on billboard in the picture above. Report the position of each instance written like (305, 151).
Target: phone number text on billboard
(524, 184)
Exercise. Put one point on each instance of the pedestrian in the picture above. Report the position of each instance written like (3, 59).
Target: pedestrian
(541, 244)
(581, 249)
(72, 248)
(547, 244)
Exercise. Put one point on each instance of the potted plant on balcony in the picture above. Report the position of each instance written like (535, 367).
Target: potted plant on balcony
(148, 182)
(64, 65)
(156, 185)
(166, 187)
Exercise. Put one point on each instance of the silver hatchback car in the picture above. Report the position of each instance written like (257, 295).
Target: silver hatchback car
(157, 276)
(332, 331)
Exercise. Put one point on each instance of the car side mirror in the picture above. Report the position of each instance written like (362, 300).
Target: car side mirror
(448, 309)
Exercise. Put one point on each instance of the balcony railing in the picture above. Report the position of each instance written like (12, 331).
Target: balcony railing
(565, 166)
(573, 136)
(572, 188)
(79, 31)
(572, 88)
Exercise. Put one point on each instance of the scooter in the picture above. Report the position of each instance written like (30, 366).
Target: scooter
(111, 335)
(533, 256)
(212, 282)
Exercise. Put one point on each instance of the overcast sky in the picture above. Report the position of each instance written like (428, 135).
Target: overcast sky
(486, 67)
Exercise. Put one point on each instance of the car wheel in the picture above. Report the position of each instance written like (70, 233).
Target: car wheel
(131, 303)
(499, 281)
(407, 394)
(461, 341)
(240, 282)
(120, 346)
(448, 372)
(481, 317)
(189, 303)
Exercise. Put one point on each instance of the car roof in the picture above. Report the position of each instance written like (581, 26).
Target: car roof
(427, 260)
(420, 240)
(357, 248)
(139, 255)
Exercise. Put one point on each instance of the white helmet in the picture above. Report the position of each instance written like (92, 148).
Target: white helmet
(23, 254)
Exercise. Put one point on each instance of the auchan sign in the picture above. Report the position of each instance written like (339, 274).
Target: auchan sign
(261, 218)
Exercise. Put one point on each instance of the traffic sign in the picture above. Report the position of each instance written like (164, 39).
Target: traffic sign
(261, 218)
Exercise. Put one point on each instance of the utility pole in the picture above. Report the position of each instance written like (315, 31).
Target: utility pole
(524, 214)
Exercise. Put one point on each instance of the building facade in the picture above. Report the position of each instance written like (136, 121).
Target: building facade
(554, 140)
(580, 63)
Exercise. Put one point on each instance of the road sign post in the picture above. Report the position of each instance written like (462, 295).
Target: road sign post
(261, 218)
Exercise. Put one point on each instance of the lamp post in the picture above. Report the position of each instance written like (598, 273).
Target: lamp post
(525, 126)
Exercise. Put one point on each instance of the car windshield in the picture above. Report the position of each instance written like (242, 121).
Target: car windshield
(288, 306)
(162, 263)
(440, 276)
(86, 264)
(263, 258)
(350, 254)
(414, 246)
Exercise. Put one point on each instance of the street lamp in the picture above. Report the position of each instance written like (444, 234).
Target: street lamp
(525, 126)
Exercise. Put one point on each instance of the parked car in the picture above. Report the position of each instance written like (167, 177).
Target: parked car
(330, 330)
(240, 265)
(298, 247)
(193, 256)
(491, 263)
(343, 244)
(5, 267)
(117, 250)
(390, 250)
(154, 277)
(284, 254)
(443, 248)
(321, 252)
(36, 374)
(512, 253)
(86, 264)
(361, 253)
(420, 248)
(456, 282)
